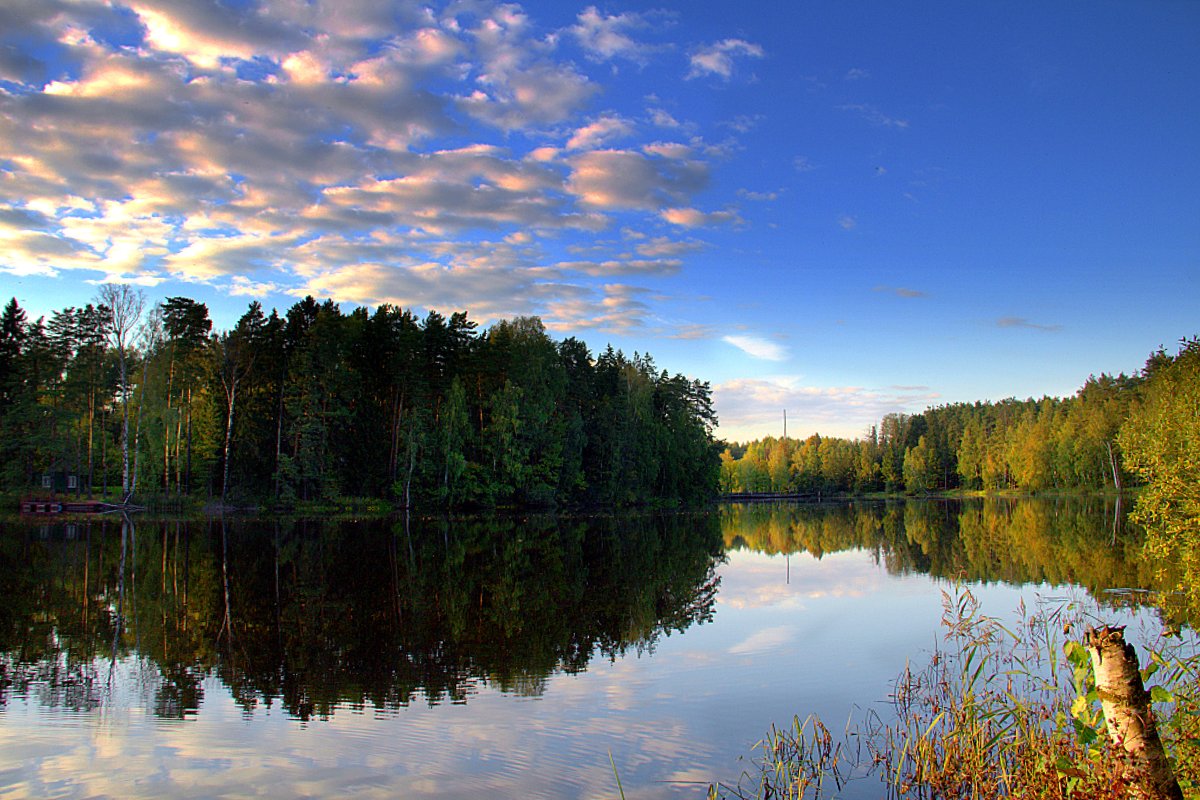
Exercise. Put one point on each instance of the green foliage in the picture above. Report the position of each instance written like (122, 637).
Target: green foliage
(1161, 443)
(1086, 713)
(317, 405)
(1029, 445)
(796, 763)
(918, 468)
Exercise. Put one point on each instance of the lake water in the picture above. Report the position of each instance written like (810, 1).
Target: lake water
(504, 658)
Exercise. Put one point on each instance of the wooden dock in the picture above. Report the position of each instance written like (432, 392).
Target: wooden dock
(43, 507)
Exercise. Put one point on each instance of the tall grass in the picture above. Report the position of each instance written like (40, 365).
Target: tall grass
(998, 712)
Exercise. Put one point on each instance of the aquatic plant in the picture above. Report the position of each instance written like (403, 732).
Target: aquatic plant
(997, 711)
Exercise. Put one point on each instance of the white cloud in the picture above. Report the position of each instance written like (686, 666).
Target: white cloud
(518, 85)
(616, 308)
(663, 119)
(38, 253)
(901, 291)
(540, 94)
(661, 246)
(600, 131)
(606, 37)
(244, 287)
(613, 179)
(674, 150)
(749, 408)
(874, 116)
(1021, 322)
(613, 267)
(208, 258)
(758, 347)
(205, 32)
(693, 218)
(305, 68)
(280, 147)
(718, 58)
(488, 292)
(744, 123)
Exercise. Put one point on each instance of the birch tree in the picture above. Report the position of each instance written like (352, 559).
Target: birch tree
(234, 355)
(151, 335)
(125, 306)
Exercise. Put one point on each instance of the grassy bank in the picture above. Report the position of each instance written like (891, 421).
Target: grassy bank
(998, 711)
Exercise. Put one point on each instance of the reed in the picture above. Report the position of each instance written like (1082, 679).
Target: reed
(997, 712)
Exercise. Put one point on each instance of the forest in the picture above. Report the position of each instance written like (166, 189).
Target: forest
(1100, 438)
(124, 400)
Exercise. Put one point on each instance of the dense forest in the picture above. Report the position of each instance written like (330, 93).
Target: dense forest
(123, 400)
(1096, 439)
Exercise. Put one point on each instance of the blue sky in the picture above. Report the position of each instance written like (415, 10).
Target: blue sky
(839, 209)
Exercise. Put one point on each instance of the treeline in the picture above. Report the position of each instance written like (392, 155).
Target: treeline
(1030, 445)
(316, 404)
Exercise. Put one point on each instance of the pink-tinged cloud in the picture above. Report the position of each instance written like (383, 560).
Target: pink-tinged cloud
(616, 179)
(600, 131)
(694, 218)
(383, 153)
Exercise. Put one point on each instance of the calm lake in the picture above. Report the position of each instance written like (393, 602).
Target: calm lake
(499, 658)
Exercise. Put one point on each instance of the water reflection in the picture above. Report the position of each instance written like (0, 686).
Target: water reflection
(498, 658)
(1066, 540)
(314, 615)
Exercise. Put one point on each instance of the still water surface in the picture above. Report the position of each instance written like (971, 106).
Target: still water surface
(499, 658)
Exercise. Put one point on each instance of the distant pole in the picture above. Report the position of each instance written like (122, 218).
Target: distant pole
(785, 424)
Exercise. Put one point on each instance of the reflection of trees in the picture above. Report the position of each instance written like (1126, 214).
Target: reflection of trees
(73, 609)
(317, 615)
(1055, 540)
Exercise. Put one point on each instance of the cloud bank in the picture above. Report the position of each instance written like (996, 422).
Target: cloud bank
(753, 407)
(428, 156)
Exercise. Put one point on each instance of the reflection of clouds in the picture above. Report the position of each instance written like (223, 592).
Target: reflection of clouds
(766, 639)
(831, 638)
(497, 746)
(756, 580)
(623, 693)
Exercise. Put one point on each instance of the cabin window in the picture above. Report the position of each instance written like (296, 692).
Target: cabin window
(45, 481)
(72, 482)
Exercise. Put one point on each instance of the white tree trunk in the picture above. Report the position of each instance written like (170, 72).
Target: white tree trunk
(231, 396)
(125, 307)
(124, 427)
(137, 435)
(1127, 714)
